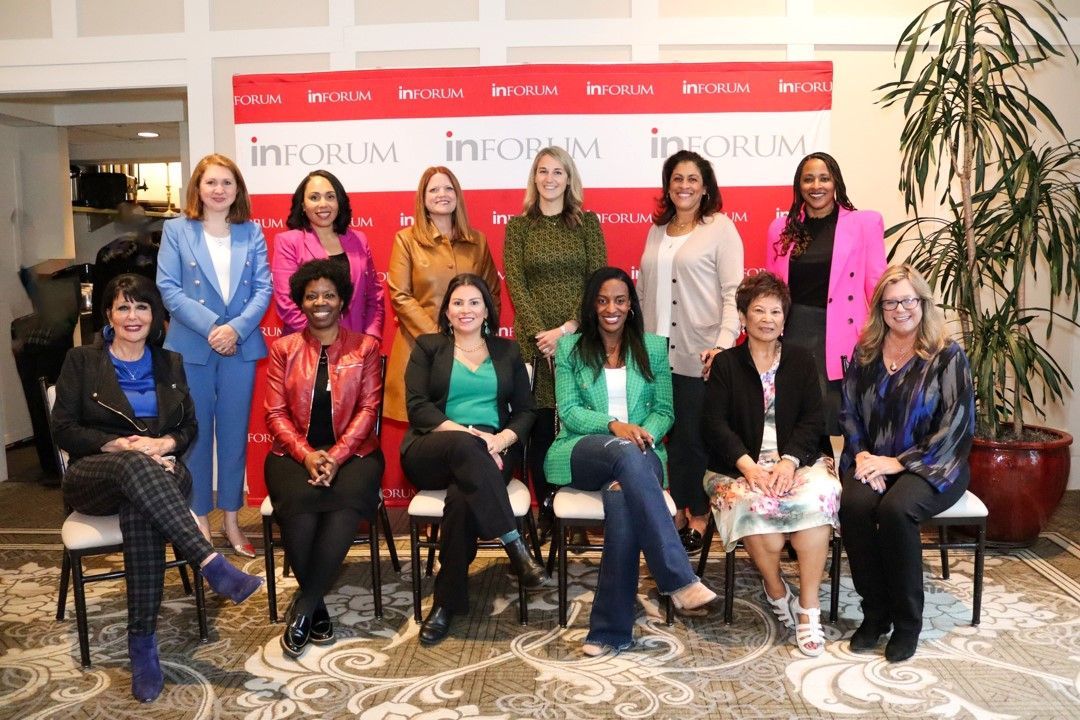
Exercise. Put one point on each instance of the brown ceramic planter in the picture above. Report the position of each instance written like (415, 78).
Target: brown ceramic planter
(1021, 484)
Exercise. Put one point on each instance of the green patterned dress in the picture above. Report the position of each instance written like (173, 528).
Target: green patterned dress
(547, 265)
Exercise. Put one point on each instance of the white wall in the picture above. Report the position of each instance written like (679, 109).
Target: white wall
(200, 44)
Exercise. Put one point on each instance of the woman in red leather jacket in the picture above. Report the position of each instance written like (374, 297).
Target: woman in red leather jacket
(325, 466)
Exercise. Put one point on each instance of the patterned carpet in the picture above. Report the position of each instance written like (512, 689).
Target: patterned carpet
(1023, 661)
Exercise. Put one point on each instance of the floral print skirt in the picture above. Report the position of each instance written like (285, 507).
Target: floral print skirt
(740, 510)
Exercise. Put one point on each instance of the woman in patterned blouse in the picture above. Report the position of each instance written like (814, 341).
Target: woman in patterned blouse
(908, 417)
(550, 251)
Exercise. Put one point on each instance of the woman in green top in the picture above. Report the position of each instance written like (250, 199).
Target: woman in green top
(469, 404)
(549, 253)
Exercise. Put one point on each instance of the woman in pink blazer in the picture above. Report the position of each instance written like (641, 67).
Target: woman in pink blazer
(319, 229)
(831, 256)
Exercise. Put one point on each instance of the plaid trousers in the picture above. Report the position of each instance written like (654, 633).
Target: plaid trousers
(153, 508)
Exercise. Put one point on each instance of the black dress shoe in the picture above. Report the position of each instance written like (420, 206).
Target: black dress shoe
(322, 629)
(867, 637)
(297, 632)
(692, 540)
(530, 573)
(545, 521)
(436, 626)
(901, 645)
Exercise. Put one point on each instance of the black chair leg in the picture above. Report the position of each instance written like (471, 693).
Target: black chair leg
(943, 542)
(65, 576)
(388, 531)
(534, 535)
(414, 549)
(729, 587)
(200, 603)
(560, 535)
(433, 538)
(268, 561)
(80, 610)
(523, 594)
(376, 567)
(706, 543)
(980, 557)
(183, 573)
(834, 580)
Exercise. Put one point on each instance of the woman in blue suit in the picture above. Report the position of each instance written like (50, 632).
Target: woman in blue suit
(613, 396)
(215, 281)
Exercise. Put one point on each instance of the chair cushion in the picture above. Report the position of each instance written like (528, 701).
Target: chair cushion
(574, 504)
(267, 507)
(966, 507)
(430, 503)
(82, 532)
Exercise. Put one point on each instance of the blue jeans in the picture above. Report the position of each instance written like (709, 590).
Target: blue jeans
(636, 520)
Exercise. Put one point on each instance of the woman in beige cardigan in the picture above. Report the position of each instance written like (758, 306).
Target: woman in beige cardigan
(690, 269)
(426, 256)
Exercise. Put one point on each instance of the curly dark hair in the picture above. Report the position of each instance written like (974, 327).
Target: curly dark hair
(298, 219)
(795, 238)
(710, 199)
(137, 288)
(763, 284)
(313, 270)
(476, 281)
(590, 347)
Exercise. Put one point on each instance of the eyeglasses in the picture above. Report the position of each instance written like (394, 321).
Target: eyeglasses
(908, 303)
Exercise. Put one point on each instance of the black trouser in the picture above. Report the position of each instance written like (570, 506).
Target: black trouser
(476, 503)
(317, 541)
(153, 508)
(884, 549)
(540, 439)
(686, 450)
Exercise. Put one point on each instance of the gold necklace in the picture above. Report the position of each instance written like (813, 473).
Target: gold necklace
(476, 347)
(678, 227)
(613, 355)
(898, 360)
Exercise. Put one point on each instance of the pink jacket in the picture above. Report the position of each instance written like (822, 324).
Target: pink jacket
(295, 247)
(858, 260)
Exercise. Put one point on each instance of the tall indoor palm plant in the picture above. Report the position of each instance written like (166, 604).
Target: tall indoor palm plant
(975, 136)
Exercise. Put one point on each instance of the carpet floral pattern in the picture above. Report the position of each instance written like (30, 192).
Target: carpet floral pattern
(1023, 661)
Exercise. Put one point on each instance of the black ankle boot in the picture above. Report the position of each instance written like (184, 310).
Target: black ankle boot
(530, 573)
(546, 518)
(901, 645)
(436, 625)
(867, 637)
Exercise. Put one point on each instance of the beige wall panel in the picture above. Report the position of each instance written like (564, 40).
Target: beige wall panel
(25, 20)
(129, 17)
(566, 9)
(260, 14)
(896, 8)
(376, 12)
(717, 8)
(720, 53)
(430, 57)
(613, 53)
(225, 68)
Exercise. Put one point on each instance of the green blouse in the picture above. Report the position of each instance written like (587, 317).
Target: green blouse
(472, 396)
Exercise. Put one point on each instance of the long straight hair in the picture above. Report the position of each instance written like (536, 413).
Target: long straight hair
(573, 196)
(423, 229)
(590, 347)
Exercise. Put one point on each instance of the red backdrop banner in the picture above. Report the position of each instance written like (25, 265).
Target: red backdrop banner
(377, 130)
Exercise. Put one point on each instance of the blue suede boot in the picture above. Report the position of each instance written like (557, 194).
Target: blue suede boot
(147, 682)
(226, 580)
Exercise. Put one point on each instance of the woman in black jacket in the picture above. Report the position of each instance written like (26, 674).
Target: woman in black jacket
(770, 476)
(124, 415)
(470, 407)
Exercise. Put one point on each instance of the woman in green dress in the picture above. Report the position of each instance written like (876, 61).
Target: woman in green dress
(549, 253)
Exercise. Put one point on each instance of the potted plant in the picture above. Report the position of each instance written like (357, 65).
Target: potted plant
(992, 155)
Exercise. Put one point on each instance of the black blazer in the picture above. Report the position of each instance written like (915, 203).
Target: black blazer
(733, 419)
(427, 385)
(91, 409)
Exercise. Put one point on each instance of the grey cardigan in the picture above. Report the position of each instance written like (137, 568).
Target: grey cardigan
(707, 270)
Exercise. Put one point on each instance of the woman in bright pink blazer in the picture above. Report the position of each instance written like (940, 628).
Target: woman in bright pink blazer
(319, 220)
(831, 256)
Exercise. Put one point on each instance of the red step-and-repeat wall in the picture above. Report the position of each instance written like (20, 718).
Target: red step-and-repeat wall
(377, 130)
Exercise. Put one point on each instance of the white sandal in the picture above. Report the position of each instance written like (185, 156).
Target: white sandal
(781, 607)
(809, 636)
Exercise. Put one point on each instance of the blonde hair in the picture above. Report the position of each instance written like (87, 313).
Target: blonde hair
(930, 337)
(239, 211)
(423, 229)
(573, 196)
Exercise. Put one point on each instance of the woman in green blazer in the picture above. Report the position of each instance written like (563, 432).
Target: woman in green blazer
(613, 395)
